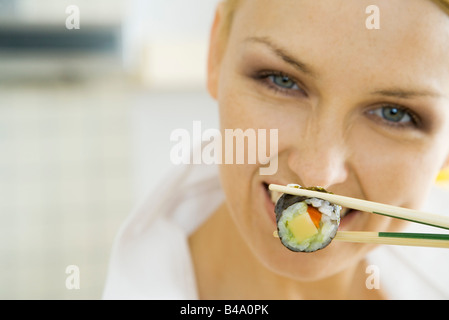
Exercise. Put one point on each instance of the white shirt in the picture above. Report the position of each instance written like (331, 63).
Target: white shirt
(151, 257)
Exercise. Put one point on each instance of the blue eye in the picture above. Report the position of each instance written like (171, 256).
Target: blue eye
(283, 81)
(394, 115)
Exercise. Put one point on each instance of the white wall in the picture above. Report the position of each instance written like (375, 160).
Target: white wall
(165, 41)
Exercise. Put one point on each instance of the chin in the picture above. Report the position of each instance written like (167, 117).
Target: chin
(311, 266)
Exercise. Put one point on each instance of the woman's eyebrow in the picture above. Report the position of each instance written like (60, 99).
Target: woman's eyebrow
(406, 94)
(306, 69)
(284, 55)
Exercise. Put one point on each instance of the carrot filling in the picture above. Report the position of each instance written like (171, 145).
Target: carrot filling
(315, 216)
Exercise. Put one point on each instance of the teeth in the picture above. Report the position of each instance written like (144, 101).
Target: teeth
(275, 195)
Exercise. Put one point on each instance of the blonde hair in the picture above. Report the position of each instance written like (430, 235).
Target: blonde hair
(229, 8)
(444, 4)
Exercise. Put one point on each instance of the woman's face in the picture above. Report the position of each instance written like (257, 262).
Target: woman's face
(361, 112)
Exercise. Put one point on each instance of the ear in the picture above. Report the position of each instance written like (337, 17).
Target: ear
(215, 52)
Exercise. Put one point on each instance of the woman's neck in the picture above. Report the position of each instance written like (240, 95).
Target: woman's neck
(226, 269)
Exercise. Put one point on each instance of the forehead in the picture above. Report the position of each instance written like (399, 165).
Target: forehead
(343, 15)
(413, 37)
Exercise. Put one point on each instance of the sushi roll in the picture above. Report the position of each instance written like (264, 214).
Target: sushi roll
(306, 224)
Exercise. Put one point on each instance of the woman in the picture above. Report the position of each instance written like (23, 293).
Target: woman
(360, 111)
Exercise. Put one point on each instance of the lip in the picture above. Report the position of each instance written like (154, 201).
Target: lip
(269, 205)
(345, 221)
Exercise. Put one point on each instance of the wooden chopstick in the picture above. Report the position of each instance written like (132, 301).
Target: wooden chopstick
(392, 238)
(430, 219)
(395, 238)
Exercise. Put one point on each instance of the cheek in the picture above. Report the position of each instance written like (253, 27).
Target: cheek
(242, 108)
(236, 179)
(391, 172)
(237, 113)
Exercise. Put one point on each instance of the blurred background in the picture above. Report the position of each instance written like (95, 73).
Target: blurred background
(89, 94)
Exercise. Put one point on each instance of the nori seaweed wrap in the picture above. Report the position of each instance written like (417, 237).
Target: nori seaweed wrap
(306, 224)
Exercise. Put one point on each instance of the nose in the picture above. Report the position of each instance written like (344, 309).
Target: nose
(320, 157)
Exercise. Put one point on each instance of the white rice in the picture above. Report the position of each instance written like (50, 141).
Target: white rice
(330, 221)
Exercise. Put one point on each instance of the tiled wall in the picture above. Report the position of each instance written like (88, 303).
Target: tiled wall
(65, 185)
(75, 159)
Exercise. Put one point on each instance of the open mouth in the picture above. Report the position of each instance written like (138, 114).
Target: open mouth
(275, 195)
